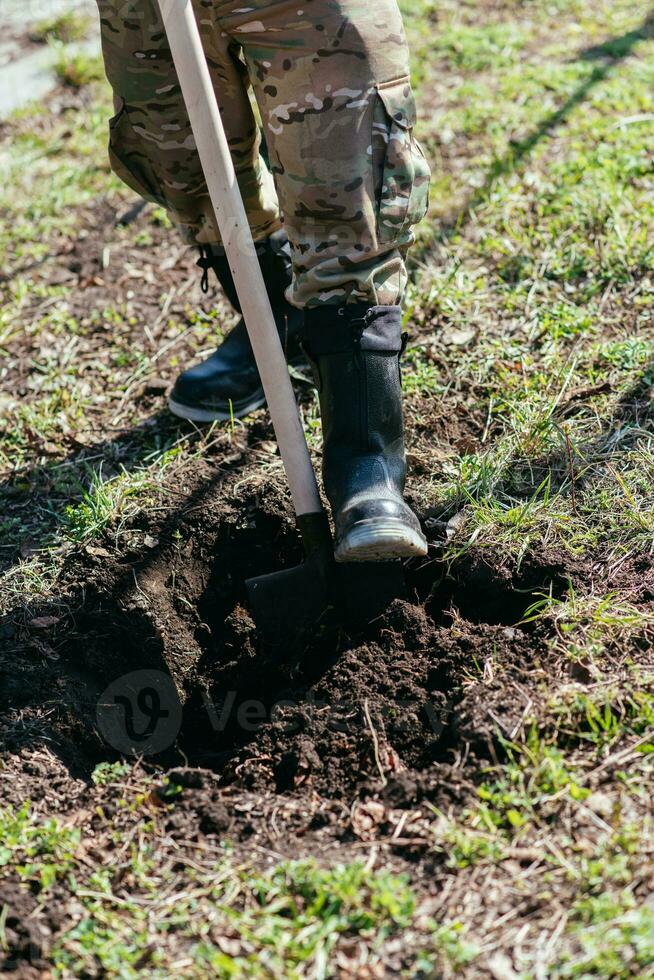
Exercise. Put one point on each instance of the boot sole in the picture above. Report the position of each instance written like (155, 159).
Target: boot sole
(239, 410)
(380, 540)
(199, 414)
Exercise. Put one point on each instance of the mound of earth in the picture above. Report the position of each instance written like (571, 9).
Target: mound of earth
(156, 655)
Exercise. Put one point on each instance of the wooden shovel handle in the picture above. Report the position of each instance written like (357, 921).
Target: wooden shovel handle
(216, 160)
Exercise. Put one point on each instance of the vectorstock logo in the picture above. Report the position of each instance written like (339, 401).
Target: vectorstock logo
(140, 713)
(292, 716)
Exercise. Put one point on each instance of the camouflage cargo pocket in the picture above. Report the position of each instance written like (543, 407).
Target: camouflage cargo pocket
(128, 159)
(403, 173)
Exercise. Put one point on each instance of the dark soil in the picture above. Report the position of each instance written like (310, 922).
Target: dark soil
(292, 717)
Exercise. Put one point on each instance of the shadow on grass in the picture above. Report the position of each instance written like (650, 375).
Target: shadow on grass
(478, 582)
(33, 499)
(610, 53)
(575, 466)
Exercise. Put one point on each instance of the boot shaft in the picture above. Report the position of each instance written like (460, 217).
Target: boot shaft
(355, 352)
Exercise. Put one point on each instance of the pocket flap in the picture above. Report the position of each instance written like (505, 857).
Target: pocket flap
(399, 102)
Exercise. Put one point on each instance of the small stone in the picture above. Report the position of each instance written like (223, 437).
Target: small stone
(455, 524)
(600, 803)
(44, 622)
(97, 552)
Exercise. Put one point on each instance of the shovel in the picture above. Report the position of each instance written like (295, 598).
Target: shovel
(296, 598)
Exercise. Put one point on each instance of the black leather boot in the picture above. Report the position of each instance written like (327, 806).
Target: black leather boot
(355, 353)
(227, 385)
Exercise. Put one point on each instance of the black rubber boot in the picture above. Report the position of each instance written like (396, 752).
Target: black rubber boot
(355, 352)
(227, 385)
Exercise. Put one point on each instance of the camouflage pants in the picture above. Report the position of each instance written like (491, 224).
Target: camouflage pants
(338, 163)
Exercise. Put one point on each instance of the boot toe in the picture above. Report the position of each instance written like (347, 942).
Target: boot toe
(378, 530)
(203, 394)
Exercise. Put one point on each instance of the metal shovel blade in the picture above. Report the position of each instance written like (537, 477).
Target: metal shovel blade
(287, 604)
(295, 602)
(290, 603)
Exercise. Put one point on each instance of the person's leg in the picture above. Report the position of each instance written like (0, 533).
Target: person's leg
(332, 81)
(151, 144)
(153, 151)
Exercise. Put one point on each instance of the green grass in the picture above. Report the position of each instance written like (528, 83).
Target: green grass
(154, 904)
(77, 69)
(38, 851)
(67, 28)
(614, 938)
(476, 49)
(280, 923)
(105, 502)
